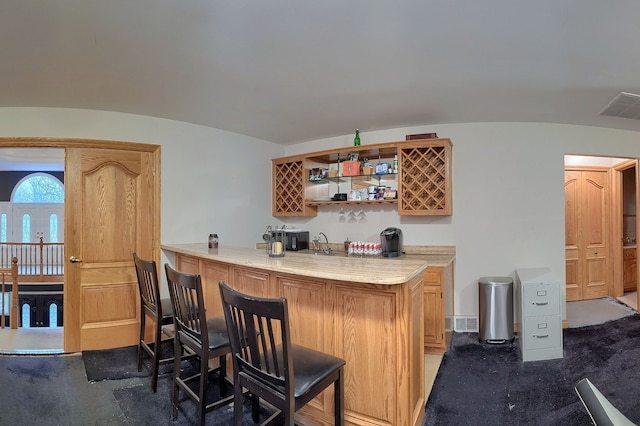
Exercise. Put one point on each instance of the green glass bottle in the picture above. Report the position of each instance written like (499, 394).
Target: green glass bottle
(356, 140)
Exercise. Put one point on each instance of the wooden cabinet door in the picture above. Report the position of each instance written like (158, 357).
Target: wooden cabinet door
(586, 233)
(629, 270)
(433, 316)
(433, 308)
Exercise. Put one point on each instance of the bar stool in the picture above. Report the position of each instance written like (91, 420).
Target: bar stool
(158, 310)
(285, 375)
(203, 338)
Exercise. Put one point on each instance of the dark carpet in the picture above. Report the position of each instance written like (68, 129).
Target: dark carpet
(53, 390)
(122, 363)
(482, 384)
(142, 407)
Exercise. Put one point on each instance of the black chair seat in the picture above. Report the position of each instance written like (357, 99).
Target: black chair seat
(285, 375)
(217, 331)
(311, 368)
(167, 311)
(199, 337)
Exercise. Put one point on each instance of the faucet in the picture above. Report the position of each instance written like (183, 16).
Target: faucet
(317, 248)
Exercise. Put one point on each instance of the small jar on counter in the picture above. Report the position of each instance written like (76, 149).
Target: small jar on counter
(213, 240)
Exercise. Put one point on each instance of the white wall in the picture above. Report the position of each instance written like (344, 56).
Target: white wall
(508, 190)
(508, 197)
(212, 180)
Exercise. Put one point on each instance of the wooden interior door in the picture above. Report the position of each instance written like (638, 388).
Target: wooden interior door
(112, 210)
(586, 233)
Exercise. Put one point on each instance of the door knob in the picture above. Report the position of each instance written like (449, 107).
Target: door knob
(74, 259)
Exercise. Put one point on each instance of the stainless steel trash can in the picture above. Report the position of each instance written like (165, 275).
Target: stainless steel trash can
(496, 309)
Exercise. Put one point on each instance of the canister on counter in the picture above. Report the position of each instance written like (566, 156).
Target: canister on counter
(213, 240)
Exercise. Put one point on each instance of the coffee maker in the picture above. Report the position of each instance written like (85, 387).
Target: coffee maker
(391, 241)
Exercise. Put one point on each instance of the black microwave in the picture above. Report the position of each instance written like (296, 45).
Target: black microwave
(296, 240)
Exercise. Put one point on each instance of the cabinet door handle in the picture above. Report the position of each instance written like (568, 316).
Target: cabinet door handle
(546, 302)
(540, 336)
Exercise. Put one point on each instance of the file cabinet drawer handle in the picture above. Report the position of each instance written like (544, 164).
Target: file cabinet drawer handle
(540, 336)
(546, 302)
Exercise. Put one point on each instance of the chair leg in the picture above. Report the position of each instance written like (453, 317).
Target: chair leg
(338, 399)
(204, 381)
(176, 373)
(222, 361)
(255, 408)
(140, 349)
(238, 398)
(156, 356)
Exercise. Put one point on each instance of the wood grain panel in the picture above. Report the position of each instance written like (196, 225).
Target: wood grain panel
(186, 264)
(212, 273)
(365, 330)
(307, 321)
(112, 303)
(416, 359)
(251, 282)
(112, 203)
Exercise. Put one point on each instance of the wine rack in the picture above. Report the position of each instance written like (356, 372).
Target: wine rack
(424, 186)
(424, 178)
(288, 189)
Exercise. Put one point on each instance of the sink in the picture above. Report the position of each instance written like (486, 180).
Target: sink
(320, 253)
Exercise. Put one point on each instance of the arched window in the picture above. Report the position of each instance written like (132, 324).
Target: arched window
(53, 228)
(53, 315)
(39, 188)
(26, 315)
(3, 227)
(26, 228)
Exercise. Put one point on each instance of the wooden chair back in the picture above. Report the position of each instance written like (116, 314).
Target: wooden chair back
(260, 343)
(148, 285)
(189, 312)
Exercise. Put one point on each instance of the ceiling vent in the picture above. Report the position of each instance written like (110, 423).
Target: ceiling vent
(625, 105)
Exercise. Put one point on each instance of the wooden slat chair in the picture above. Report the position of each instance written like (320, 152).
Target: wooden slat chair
(266, 363)
(158, 310)
(201, 337)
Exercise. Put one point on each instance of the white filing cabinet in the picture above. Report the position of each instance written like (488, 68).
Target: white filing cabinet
(538, 301)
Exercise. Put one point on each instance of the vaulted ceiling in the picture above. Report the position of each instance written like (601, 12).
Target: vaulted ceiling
(292, 71)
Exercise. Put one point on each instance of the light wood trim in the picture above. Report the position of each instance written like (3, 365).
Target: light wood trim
(616, 288)
(39, 142)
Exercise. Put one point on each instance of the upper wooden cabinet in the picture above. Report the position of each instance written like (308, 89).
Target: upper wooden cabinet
(288, 178)
(422, 180)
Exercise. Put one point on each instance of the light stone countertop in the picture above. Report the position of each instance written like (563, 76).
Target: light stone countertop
(378, 270)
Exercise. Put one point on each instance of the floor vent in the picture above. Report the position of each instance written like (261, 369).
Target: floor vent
(466, 324)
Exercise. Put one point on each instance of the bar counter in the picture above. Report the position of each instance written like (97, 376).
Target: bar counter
(337, 266)
(368, 311)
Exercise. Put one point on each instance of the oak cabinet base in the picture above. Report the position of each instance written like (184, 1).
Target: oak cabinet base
(377, 329)
(438, 308)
